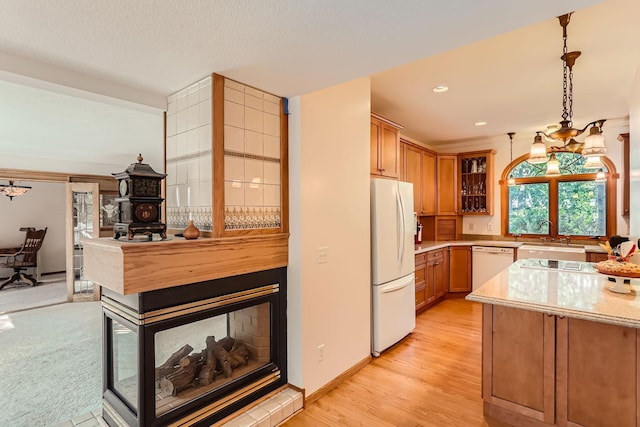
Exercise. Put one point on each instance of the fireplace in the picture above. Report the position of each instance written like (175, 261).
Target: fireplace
(193, 354)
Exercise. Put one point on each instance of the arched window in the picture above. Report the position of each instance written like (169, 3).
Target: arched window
(574, 203)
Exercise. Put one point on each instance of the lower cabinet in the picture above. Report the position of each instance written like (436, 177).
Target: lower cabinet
(432, 277)
(460, 269)
(540, 369)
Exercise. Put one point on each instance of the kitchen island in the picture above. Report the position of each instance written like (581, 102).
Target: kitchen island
(559, 348)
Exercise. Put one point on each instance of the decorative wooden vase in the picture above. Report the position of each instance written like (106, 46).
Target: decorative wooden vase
(191, 232)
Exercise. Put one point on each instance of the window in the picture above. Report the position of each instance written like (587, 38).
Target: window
(572, 204)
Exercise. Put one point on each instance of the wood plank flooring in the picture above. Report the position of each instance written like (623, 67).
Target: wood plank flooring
(432, 378)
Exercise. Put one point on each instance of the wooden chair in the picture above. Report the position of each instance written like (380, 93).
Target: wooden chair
(25, 258)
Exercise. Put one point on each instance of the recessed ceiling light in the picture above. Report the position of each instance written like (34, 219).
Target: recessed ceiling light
(480, 123)
(440, 89)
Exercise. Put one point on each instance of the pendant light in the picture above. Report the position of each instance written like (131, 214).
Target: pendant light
(553, 166)
(594, 143)
(511, 181)
(538, 152)
(593, 162)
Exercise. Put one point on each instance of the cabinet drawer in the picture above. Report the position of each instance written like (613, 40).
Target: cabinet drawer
(436, 255)
(421, 258)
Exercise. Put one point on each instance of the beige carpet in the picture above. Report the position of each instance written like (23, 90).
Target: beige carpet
(50, 363)
(51, 290)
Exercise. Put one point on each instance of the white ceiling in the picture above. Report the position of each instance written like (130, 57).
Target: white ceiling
(510, 78)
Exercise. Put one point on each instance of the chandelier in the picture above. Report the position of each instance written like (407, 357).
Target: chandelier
(593, 145)
(12, 190)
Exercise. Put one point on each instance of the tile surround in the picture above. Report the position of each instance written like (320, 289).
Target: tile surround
(251, 163)
(189, 163)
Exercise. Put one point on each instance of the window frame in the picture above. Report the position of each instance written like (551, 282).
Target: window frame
(611, 204)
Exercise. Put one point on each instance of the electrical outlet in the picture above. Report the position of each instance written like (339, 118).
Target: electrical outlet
(322, 255)
(320, 355)
(470, 226)
(489, 227)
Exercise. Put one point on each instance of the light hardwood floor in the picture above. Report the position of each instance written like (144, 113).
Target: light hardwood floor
(432, 378)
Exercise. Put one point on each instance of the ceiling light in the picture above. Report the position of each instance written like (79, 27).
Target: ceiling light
(12, 190)
(538, 152)
(480, 123)
(553, 166)
(593, 162)
(511, 181)
(440, 89)
(566, 132)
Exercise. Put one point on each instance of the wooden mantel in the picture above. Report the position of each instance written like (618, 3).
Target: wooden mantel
(129, 268)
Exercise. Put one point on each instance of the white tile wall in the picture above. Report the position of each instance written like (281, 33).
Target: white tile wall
(252, 154)
(189, 156)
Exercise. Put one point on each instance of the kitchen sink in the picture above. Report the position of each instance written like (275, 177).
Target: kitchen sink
(554, 244)
(559, 252)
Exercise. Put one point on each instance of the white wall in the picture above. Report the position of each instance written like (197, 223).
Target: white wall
(329, 207)
(521, 145)
(43, 206)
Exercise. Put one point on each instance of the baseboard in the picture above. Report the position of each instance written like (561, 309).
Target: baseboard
(336, 381)
(52, 272)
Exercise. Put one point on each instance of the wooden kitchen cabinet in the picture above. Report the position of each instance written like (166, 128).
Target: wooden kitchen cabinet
(432, 277)
(418, 166)
(476, 182)
(459, 268)
(596, 256)
(447, 184)
(540, 369)
(421, 262)
(518, 361)
(385, 147)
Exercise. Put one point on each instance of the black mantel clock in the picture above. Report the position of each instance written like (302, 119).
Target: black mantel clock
(139, 201)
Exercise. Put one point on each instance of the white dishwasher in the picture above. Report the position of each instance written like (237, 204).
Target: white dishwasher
(488, 261)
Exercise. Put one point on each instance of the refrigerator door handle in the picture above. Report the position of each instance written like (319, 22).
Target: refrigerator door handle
(404, 227)
(399, 226)
(396, 287)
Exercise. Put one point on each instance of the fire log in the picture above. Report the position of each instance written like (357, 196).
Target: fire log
(182, 378)
(171, 364)
(207, 374)
(239, 355)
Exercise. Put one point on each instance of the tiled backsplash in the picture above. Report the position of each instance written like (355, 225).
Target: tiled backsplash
(251, 157)
(189, 157)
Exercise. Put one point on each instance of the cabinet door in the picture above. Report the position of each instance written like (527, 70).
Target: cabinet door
(376, 134)
(441, 275)
(413, 174)
(390, 151)
(430, 284)
(518, 361)
(476, 183)
(447, 185)
(428, 183)
(420, 271)
(597, 374)
(460, 269)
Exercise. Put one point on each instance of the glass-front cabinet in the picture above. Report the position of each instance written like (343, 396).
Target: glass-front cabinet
(476, 182)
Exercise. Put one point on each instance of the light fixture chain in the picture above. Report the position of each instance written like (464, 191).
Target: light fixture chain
(565, 114)
(570, 97)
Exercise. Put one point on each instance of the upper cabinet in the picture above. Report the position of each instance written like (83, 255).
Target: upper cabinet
(476, 182)
(447, 184)
(418, 166)
(385, 147)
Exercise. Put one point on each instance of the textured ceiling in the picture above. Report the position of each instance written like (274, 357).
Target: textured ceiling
(514, 81)
(499, 57)
(287, 47)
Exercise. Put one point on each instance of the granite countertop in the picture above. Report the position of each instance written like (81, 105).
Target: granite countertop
(426, 246)
(579, 294)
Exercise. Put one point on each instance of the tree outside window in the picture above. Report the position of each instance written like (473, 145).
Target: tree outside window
(573, 204)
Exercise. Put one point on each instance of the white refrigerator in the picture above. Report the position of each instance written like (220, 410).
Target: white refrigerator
(392, 262)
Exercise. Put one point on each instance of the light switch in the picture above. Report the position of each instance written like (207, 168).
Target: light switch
(322, 255)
